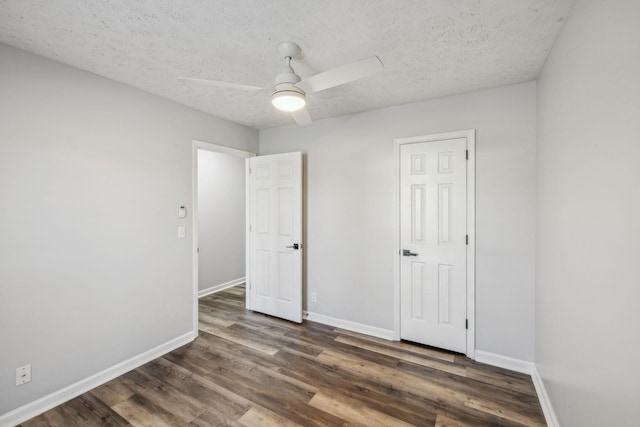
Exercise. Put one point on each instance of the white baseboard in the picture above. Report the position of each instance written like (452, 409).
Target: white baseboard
(220, 287)
(386, 334)
(543, 397)
(505, 362)
(56, 398)
(524, 367)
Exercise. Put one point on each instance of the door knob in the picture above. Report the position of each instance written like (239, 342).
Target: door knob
(295, 246)
(407, 252)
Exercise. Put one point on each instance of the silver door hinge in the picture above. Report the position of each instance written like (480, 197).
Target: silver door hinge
(467, 155)
(249, 228)
(467, 239)
(466, 323)
(249, 171)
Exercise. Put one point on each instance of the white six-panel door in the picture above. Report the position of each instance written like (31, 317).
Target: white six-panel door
(274, 258)
(433, 233)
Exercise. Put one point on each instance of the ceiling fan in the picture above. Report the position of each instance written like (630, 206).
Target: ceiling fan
(290, 90)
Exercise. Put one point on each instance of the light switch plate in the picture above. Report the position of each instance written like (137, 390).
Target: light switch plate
(23, 374)
(182, 232)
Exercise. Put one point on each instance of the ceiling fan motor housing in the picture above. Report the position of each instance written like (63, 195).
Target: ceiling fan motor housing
(286, 79)
(286, 95)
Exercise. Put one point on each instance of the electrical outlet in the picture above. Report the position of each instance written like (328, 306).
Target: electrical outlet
(314, 297)
(23, 374)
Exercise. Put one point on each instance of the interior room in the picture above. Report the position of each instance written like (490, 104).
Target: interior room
(133, 138)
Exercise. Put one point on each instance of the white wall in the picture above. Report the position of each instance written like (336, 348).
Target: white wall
(350, 208)
(588, 232)
(91, 175)
(221, 218)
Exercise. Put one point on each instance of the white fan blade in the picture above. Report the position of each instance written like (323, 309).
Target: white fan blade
(341, 75)
(301, 117)
(221, 84)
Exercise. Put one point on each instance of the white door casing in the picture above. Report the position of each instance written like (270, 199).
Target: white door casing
(274, 246)
(435, 220)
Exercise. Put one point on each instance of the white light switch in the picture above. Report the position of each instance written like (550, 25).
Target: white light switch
(182, 232)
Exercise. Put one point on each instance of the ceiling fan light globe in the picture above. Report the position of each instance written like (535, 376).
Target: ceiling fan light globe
(288, 100)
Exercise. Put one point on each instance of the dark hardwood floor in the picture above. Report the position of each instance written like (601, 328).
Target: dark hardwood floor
(248, 369)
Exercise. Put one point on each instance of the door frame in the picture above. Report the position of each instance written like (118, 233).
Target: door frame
(201, 145)
(470, 135)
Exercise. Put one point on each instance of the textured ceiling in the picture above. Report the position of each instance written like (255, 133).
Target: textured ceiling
(430, 48)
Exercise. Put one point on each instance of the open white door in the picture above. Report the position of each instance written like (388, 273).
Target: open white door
(274, 249)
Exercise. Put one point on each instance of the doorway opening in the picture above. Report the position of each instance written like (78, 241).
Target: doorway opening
(219, 225)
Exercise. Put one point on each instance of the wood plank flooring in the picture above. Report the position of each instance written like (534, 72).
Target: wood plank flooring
(248, 369)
